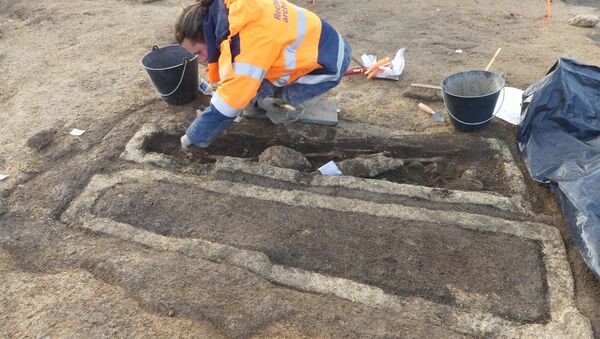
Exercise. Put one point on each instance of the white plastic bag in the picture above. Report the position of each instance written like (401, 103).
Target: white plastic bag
(391, 72)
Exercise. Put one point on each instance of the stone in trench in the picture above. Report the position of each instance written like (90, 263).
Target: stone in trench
(470, 180)
(584, 20)
(369, 166)
(470, 174)
(41, 139)
(281, 156)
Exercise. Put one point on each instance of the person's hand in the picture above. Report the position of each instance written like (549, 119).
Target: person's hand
(279, 111)
(271, 104)
(185, 142)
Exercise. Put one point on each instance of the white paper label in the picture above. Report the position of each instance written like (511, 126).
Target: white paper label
(77, 132)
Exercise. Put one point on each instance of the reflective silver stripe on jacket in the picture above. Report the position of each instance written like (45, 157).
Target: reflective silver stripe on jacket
(290, 50)
(250, 70)
(317, 79)
(223, 107)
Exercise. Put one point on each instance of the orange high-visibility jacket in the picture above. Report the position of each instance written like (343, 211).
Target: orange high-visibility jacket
(252, 40)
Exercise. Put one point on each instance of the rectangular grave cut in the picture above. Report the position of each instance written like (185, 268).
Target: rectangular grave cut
(441, 263)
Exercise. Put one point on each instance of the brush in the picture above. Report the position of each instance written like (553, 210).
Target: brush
(424, 92)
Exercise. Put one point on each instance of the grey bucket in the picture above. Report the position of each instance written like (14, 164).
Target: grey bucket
(174, 73)
(470, 98)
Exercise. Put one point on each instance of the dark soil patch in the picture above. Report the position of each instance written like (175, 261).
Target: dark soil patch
(587, 287)
(404, 258)
(445, 173)
(237, 302)
(42, 139)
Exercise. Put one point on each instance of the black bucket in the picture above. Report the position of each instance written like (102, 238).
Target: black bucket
(174, 73)
(470, 98)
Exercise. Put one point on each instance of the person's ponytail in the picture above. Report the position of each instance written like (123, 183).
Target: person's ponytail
(206, 3)
(189, 21)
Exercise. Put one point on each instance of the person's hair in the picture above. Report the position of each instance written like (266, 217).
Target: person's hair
(189, 21)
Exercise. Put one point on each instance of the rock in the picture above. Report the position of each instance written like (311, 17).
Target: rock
(470, 174)
(281, 156)
(41, 139)
(2, 207)
(369, 166)
(584, 20)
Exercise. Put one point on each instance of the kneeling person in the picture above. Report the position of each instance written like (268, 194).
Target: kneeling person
(268, 54)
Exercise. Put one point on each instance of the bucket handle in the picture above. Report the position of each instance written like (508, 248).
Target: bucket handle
(185, 62)
(482, 122)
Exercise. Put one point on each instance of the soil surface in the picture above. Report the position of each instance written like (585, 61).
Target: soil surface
(75, 64)
(405, 258)
(105, 286)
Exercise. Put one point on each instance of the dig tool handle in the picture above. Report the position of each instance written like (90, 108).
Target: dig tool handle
(426, 108)
(358, 70)
(426, 86)
(493, 60)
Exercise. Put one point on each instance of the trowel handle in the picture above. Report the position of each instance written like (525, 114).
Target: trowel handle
(425, 108)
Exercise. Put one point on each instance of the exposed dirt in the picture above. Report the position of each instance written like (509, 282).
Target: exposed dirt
(75, 64)
(83, 310)
(410, 259)
(471, 166)
(157, 294)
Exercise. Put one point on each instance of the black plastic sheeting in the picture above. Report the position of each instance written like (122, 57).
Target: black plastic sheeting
(559, 137)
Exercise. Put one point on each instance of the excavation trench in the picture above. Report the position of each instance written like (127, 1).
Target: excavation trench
(434, 163)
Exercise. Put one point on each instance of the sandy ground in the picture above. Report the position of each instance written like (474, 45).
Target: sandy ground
(75, 64)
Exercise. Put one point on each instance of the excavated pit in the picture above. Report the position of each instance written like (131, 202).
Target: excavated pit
(472, 166)
(496, 273)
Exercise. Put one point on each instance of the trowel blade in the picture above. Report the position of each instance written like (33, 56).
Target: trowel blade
(437, 117)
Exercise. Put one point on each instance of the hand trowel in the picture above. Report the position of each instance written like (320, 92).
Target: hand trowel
(435, 115)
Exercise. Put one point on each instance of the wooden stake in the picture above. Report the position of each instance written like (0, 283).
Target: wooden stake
(548, 10)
